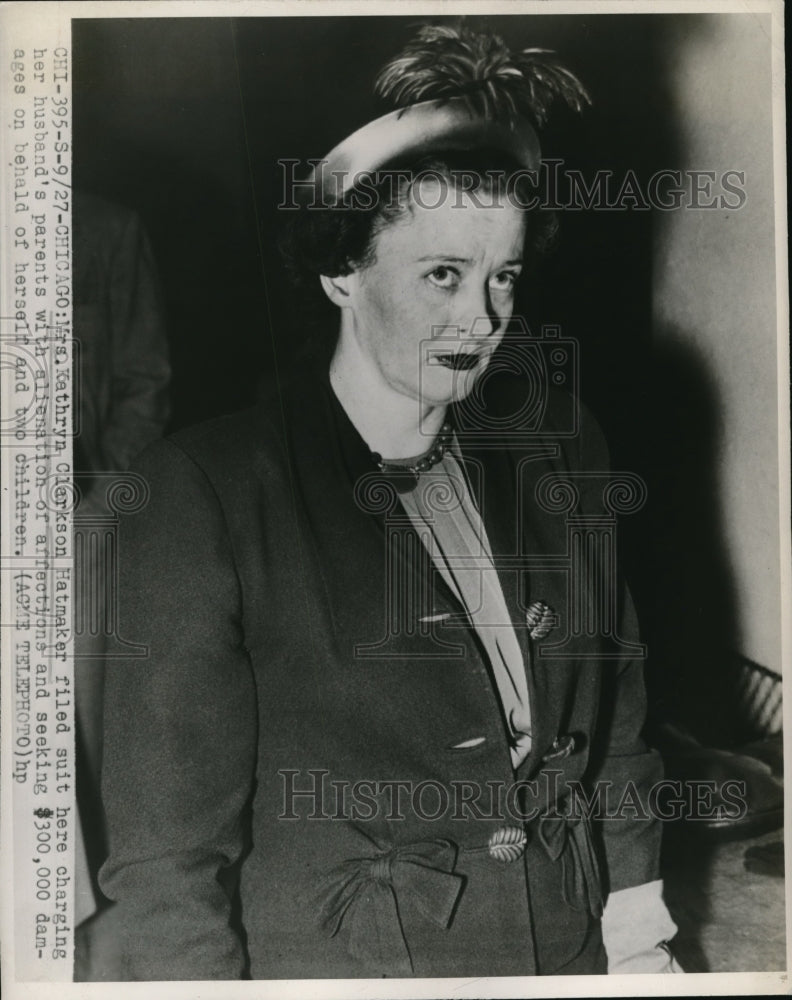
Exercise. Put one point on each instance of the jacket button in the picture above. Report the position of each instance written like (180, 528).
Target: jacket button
(507, 844)
(541, 619)
(562, 747)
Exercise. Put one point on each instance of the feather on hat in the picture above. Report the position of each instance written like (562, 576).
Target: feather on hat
(453, 88)
(444, 62)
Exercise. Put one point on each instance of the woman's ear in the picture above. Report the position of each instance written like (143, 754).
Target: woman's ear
(337, 289)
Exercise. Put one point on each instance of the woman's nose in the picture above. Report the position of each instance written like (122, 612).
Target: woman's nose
(480, 319)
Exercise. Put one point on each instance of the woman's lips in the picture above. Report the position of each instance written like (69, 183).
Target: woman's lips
(458, 362)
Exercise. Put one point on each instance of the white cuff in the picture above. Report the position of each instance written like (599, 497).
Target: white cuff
(635, 928)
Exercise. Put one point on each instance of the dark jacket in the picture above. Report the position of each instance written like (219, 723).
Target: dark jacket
(259, 577)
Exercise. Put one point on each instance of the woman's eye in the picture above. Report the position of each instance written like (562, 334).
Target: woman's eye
(444, 277)
(504, 282)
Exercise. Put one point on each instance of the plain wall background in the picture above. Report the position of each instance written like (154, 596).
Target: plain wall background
(184, 120)
(715, 301)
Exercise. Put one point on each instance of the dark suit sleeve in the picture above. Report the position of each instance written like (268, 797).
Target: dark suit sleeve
(180, 730)
(620, 758)
(630, 834)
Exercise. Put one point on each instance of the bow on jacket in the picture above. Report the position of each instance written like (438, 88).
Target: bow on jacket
(366, 894)
(569, 838)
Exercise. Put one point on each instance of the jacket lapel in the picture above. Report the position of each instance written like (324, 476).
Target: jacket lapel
(529, 549)
(365, 544)
(351, 519)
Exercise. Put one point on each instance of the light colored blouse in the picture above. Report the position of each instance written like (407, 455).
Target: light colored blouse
(448, 522)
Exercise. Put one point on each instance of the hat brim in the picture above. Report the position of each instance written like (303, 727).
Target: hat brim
(418, 130)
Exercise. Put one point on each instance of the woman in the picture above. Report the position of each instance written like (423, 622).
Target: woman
(345, 755)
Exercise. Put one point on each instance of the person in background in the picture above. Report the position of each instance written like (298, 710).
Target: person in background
(122, 372)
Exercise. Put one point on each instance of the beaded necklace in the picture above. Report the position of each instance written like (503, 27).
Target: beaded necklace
(404, 473)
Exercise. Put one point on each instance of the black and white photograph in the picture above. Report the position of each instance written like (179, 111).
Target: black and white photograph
(423, 510)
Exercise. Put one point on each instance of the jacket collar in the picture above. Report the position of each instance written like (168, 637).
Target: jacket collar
(329, 460)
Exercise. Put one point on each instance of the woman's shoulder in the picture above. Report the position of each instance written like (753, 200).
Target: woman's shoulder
(223, 447)
(229, 435)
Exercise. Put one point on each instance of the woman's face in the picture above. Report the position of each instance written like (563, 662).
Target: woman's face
(431, 309)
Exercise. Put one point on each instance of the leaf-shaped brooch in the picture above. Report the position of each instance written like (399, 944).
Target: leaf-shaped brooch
(541, 619)
(507, 844)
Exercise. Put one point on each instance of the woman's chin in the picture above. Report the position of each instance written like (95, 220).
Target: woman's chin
(446, 388)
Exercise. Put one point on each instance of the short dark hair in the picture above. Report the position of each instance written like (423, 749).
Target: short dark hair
(340, 239)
